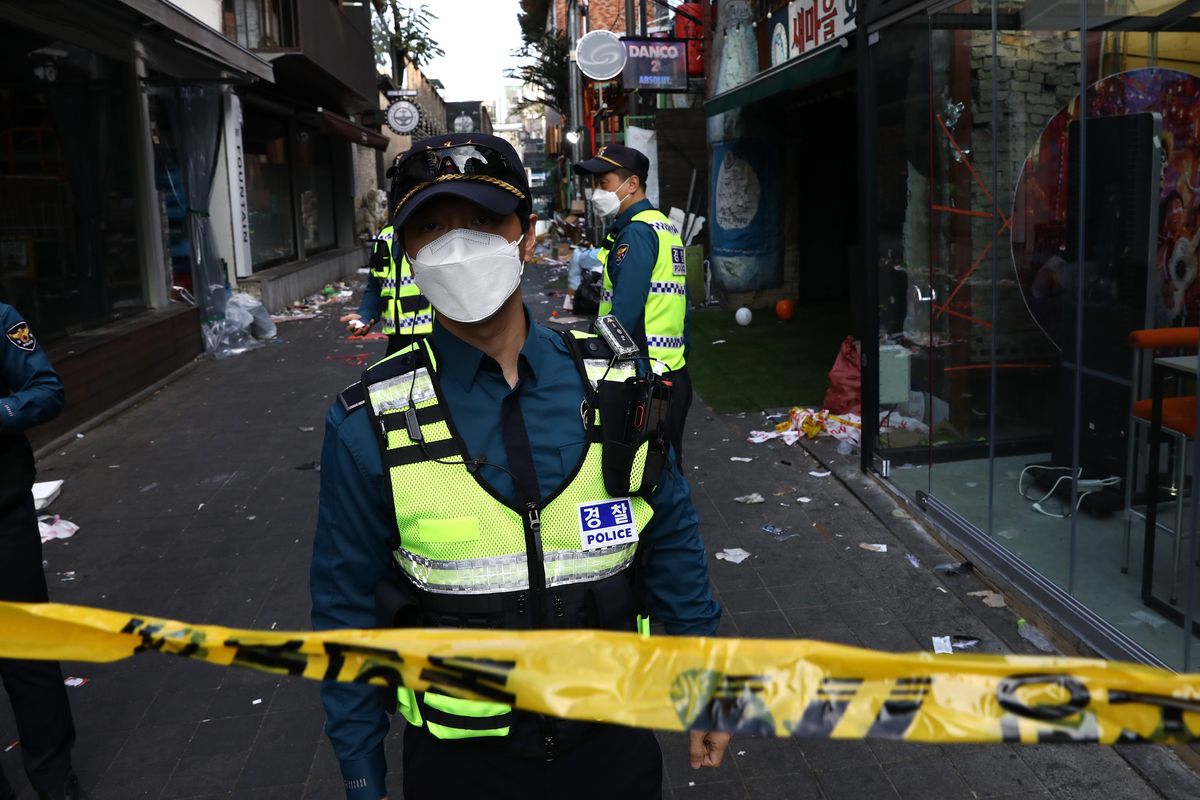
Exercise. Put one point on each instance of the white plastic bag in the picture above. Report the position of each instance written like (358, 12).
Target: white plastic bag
(261, 326)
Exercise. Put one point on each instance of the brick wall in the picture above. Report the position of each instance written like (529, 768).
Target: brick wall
(602, 15)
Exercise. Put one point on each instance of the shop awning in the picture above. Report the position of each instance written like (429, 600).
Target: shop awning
(340, 126)
(790, 75)
(199, 36)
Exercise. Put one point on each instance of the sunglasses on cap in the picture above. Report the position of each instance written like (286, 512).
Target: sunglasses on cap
(475, 162)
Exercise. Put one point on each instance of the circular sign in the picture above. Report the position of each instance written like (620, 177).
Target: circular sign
(403, 116)
(600, 55)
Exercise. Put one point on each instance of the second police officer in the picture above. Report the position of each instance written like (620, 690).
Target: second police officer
(645, 274)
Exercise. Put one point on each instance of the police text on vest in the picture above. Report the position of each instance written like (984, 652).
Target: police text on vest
(608, 523)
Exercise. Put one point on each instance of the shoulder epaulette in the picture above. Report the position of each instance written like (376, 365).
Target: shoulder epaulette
(353, 397)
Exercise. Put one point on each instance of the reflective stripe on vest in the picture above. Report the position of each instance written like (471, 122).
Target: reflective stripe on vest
(666, 303)
(457, 538)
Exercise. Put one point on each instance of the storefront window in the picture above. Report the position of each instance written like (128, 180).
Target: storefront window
(268, 188)
(314, 179)
(1007, 298)
(68, 232)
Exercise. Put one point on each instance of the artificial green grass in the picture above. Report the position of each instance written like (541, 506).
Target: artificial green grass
(768, 363)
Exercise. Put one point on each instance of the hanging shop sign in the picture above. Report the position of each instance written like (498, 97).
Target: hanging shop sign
(600, 55)
(655, 65)
(403, 117)
(815, 23)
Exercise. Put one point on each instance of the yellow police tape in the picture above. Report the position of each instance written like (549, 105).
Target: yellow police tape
(748, 686)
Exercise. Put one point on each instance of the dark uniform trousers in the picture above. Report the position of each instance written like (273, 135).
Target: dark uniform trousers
(681, 401)
(614, 763)
(35, 688)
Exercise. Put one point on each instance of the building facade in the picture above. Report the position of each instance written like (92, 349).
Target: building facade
(1005, 193)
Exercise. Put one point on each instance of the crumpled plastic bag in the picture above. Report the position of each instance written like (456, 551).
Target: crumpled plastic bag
(261, 325)
(55, 527)
(845, 380)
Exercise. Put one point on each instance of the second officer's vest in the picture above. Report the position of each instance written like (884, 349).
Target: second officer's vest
(476, 560)
(666, 305)
(405, 310)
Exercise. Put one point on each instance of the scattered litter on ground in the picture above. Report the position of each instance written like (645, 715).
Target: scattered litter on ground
(821, 529)
(45, 493)
(964, 642)
(774, 416)
(719, 341)
(79, 436)
(941, 644)
(571, 320)
(953, 568)
(307, 428)
(758, 437)
(74, 682)
(66, 577)
(1034, 636)
(364, 271)
(256, 702)
(1007, 533)
(741, 752)
(750, 499)
(942, 590)
(114, 466)
(252, 518)
(990, 598)
(293, 316)
(779, 533)
(353, 359)
(735, 555)
(785, 462)
(308, 465)
(373, 336)
(803, 499)
(874, 548)
(273, 624)
(16, 743)
(56, 527)
(819, 473)
(972, 484)
(916, 562)
(741, 459)
(148, 487)
(899, 513)
(1149, 619)
(200, 506)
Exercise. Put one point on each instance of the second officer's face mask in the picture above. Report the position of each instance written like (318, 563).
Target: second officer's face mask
(607, 203)
(466, 274)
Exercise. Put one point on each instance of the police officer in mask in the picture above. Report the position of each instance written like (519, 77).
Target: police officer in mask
(458, 481)
(645, 275)
(30, 394)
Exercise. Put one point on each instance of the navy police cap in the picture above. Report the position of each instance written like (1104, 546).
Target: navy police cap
(475, 166)
(616, 156)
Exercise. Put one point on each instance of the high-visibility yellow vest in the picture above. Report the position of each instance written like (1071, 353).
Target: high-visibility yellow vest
(465, 550)
(405, 310)
(666, 304)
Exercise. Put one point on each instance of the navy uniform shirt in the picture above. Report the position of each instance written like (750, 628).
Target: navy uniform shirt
(30, 391)
(355, 519)
(630, 266)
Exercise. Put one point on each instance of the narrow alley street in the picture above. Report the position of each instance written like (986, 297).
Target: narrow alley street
(198, 508)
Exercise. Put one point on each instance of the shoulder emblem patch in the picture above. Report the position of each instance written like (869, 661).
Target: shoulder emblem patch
(21, 337)
(622, 251)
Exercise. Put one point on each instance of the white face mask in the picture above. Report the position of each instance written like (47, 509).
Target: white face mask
(607, 203)
(467, 275)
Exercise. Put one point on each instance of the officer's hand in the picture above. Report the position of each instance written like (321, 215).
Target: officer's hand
(355, 325)
(707, 748)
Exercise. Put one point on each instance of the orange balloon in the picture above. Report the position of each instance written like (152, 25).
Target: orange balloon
(784, 309)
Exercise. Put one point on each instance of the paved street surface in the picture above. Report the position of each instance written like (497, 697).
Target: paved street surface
(200, 502)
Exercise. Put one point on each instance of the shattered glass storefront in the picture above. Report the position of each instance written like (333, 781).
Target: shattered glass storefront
(1035, 252)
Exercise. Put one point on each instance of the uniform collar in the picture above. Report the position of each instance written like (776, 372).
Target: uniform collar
(462, 363)
(628, 214)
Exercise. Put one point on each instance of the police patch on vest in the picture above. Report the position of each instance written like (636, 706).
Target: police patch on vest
(622, 251)
(678, 262)
(607, 523)
(21, 337)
